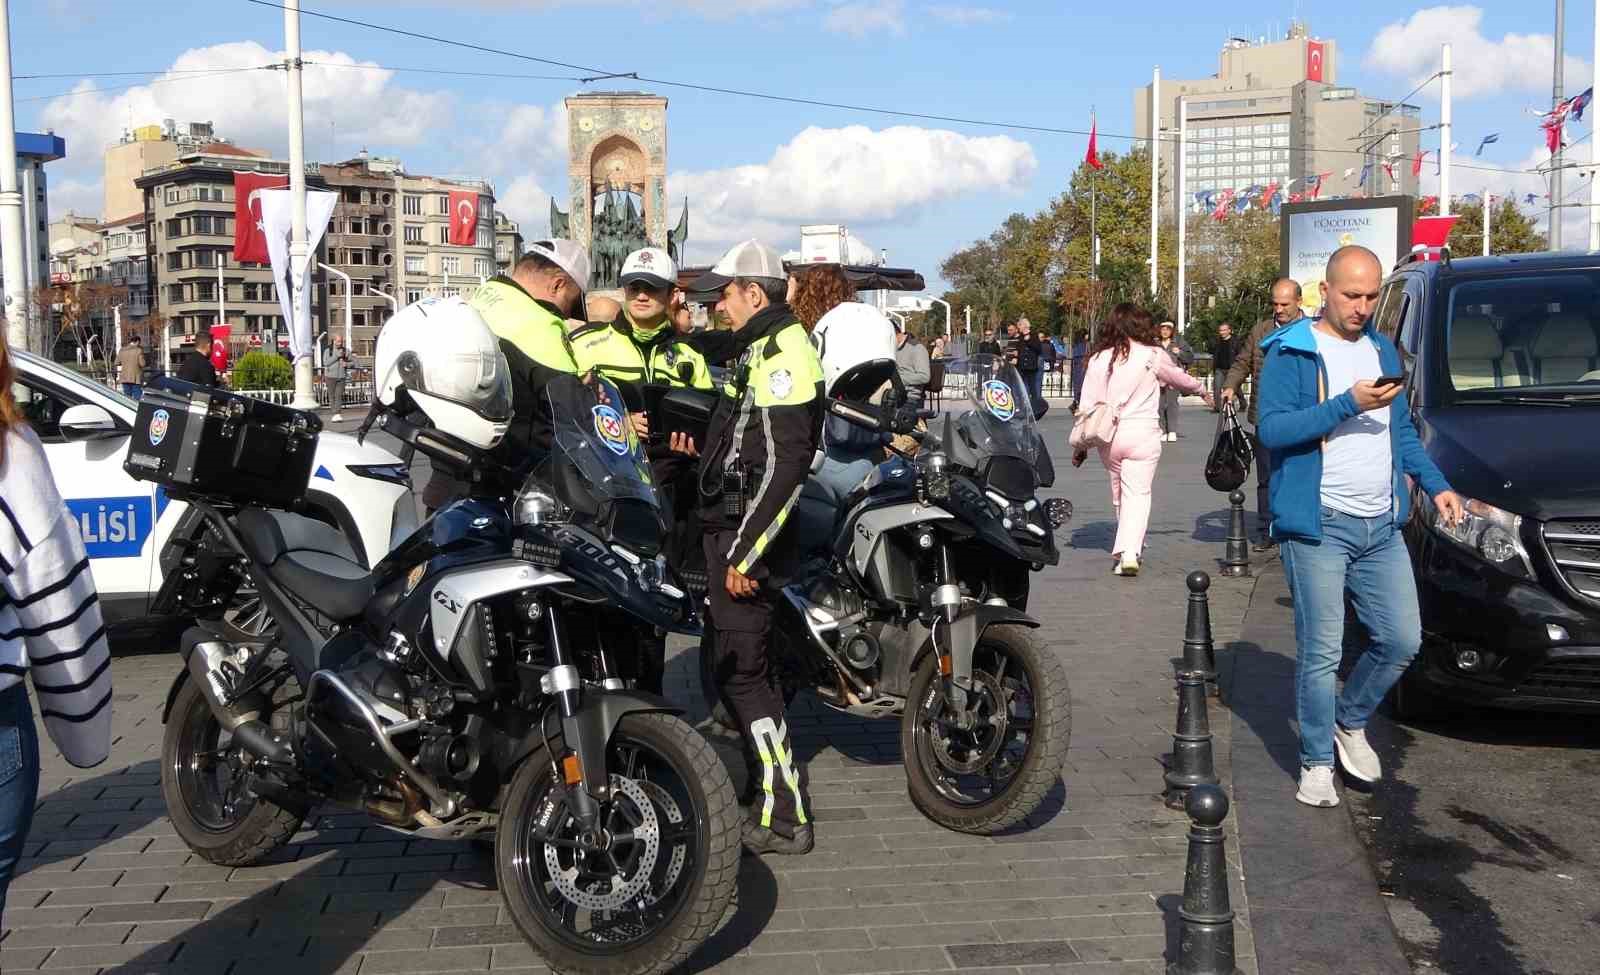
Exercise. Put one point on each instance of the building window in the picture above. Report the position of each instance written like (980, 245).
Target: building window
(412, 206)
(174, 228)
(444, 234)
(173, 194)
(200, 224)
(444, 204)
(251, 291)
(205, 291)
(358, 319)
(175, 293)
(450, 265)
(413, 295)
(501, 251)
(205, 259)
(175, 262)
(358, 287)
(358, 257)
(414, 232)
(485, 238)
(480, 266)
(416, 264)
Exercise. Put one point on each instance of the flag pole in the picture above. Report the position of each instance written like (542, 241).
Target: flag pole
(1594, 180)
(1556, 92)
(1488, 214)
(1445, 131)
(12, 246)
(1183, 205)
(304, 397)
(1155, 173)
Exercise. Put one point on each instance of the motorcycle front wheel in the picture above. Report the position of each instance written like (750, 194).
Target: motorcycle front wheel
(985, 769)
(653, 885)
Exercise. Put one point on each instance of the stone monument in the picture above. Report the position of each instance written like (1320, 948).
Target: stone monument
(617, 175)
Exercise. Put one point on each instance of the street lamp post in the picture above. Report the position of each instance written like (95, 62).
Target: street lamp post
(349, 339)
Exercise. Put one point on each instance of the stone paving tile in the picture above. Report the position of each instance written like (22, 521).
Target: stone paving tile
(1086, 885)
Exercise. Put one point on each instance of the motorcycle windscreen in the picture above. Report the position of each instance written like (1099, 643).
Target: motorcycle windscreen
(594, 435)
(998, 421)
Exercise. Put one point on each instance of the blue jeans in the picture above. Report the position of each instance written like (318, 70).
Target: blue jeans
(19, 779)
(1367, 557)
(131, 390)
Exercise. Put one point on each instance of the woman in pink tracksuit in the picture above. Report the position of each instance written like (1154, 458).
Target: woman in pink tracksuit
(1127, 370)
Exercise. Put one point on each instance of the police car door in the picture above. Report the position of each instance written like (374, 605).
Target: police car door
(116, 514)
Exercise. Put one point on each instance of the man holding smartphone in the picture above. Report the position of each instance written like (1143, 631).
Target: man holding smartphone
(1342, 443)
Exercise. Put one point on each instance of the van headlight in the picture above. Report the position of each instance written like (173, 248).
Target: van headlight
(1495, 535)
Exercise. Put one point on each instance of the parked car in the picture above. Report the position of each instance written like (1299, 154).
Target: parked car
(363, 489)
(1503, 363)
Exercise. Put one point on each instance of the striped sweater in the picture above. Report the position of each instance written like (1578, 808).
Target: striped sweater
(49, 611)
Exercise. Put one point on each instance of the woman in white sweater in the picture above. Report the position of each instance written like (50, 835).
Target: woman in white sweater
(50, 625)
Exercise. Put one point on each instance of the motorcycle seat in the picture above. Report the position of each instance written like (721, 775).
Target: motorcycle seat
(310, 558)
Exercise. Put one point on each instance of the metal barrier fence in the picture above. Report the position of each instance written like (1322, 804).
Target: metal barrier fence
(355, 394)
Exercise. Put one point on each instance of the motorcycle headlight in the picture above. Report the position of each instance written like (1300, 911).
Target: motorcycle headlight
(537, 505)
(1495, 535)
(934, 467)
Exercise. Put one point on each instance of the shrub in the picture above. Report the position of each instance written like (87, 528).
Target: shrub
(262, 370)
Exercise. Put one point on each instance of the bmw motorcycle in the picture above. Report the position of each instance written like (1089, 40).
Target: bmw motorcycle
(472, 684)
(911, 600)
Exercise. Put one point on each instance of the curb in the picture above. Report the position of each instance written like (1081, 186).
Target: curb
(1313, 896)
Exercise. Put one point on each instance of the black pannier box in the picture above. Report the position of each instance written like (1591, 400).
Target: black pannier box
(198, 441)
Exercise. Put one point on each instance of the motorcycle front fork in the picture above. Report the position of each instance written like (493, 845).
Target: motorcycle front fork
(569, 768)
(945, 602)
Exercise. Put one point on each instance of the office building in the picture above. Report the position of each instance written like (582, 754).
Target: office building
(1275, 113)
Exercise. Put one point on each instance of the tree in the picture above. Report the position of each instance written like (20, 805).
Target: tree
(262, 370)
(979, 276)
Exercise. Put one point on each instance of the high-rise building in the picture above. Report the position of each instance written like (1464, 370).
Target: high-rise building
(1275, 114)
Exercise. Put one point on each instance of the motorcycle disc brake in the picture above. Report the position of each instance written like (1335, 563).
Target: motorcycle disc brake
(987, 736)
(606, 893)
(680, 853)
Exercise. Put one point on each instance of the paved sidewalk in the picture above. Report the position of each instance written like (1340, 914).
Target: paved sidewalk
(1091, 885)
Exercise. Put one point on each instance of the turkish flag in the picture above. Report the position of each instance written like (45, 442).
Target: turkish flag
(1313, 60)
(219, 346)
(463, 218)
(1092, 157)
(249, 237)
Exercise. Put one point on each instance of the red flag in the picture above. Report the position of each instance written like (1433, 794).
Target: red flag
(1313, 60)
(219, 346)
(1388, 167)
(249, 238)
(1416, 163)
(1552, 136)
(1431, 231)
(1092, 157)
(463, 218)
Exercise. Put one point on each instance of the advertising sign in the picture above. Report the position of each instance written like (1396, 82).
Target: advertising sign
(1309, 233)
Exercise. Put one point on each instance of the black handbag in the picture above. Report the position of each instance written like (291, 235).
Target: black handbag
(1229, 462)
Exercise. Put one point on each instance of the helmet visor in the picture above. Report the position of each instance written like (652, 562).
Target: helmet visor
(478, 379)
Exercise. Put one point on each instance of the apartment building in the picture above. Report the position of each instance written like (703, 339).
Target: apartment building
(1274, 113)
(507, 243)
(428, 262)
(193, 279)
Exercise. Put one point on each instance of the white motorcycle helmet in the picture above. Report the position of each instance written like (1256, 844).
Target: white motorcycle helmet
(856, 345)
(446, 359)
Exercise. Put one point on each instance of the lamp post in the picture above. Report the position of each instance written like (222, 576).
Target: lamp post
(349, 339)
(12, 247)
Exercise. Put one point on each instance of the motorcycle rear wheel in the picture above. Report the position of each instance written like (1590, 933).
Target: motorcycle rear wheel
(206, 790)
(1009, 665)
(682, 900)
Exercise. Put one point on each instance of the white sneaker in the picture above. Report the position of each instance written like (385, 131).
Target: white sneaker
(1172, 438)
(1129, 566)
(337, 418)
(1316, 786)
(1357, 757)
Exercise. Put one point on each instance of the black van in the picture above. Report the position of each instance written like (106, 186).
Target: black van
(1502, 356)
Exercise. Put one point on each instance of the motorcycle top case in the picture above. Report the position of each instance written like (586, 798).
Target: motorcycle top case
(197, 441)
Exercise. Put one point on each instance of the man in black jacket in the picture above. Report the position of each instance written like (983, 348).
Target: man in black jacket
(197, 368)
(1029, 360)
(1223, 351)
(989, 346)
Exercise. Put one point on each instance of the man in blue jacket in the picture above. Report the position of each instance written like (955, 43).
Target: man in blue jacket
(1339, 501)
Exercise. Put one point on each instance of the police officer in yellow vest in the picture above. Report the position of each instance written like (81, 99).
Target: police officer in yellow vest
(762, 443)
(527, 310)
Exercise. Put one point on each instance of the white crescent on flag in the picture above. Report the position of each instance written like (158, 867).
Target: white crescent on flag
(465, 210)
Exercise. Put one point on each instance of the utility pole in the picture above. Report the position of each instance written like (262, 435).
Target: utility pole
(1444, 133)
(1183, 206)
(1155, 172)
(304, 397)
(1594, 180)
(12, 249)
(1488, 218)
(1556, 92)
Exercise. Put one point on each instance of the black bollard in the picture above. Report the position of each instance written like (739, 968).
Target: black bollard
(1236, 557)
(1192, 764)
(1205, 938)
(1198, 652)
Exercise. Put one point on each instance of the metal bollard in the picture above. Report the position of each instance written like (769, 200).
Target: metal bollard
(1192, 763)
(1205, 938)
(1236, 556)
(1198, 652)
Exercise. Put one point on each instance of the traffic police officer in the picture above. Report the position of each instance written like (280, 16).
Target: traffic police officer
(640, 347)
(761, 446)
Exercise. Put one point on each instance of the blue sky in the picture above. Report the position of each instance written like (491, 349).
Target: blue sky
(918, 188)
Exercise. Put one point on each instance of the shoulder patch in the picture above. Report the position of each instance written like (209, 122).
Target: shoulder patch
(780, 383)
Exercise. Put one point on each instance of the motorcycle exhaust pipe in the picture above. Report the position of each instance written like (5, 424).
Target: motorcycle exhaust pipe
(261, 741)
(205, 667)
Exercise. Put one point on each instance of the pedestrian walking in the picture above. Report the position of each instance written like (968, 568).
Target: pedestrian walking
(334, 373)
(1030, 359)
(1285, 296)
(1127, 372)
(1223, 350)
(758, 453)
(130, 367)
(1339, 450)
(198, 368)
(50, 626)
(1182, 356)
(1080, 357)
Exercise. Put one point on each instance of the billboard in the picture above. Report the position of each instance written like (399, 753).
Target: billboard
(1308, 233)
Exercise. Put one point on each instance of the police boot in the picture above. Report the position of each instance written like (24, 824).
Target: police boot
(759, 840)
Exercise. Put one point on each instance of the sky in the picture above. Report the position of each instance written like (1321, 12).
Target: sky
(920, 188)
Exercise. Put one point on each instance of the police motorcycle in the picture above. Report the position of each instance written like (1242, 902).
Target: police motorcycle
(470, 684)
(911, 599)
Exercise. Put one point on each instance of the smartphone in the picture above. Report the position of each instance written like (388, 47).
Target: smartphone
(1388, 381)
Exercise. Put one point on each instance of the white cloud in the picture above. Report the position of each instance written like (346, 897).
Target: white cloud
(710, 9)
(851, 175)
(968, 16)
(1480, 64)
(528, 203)
(859, 20)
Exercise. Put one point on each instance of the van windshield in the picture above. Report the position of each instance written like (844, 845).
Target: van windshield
(1511, 337)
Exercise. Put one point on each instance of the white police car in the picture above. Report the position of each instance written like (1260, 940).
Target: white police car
(361, 488)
